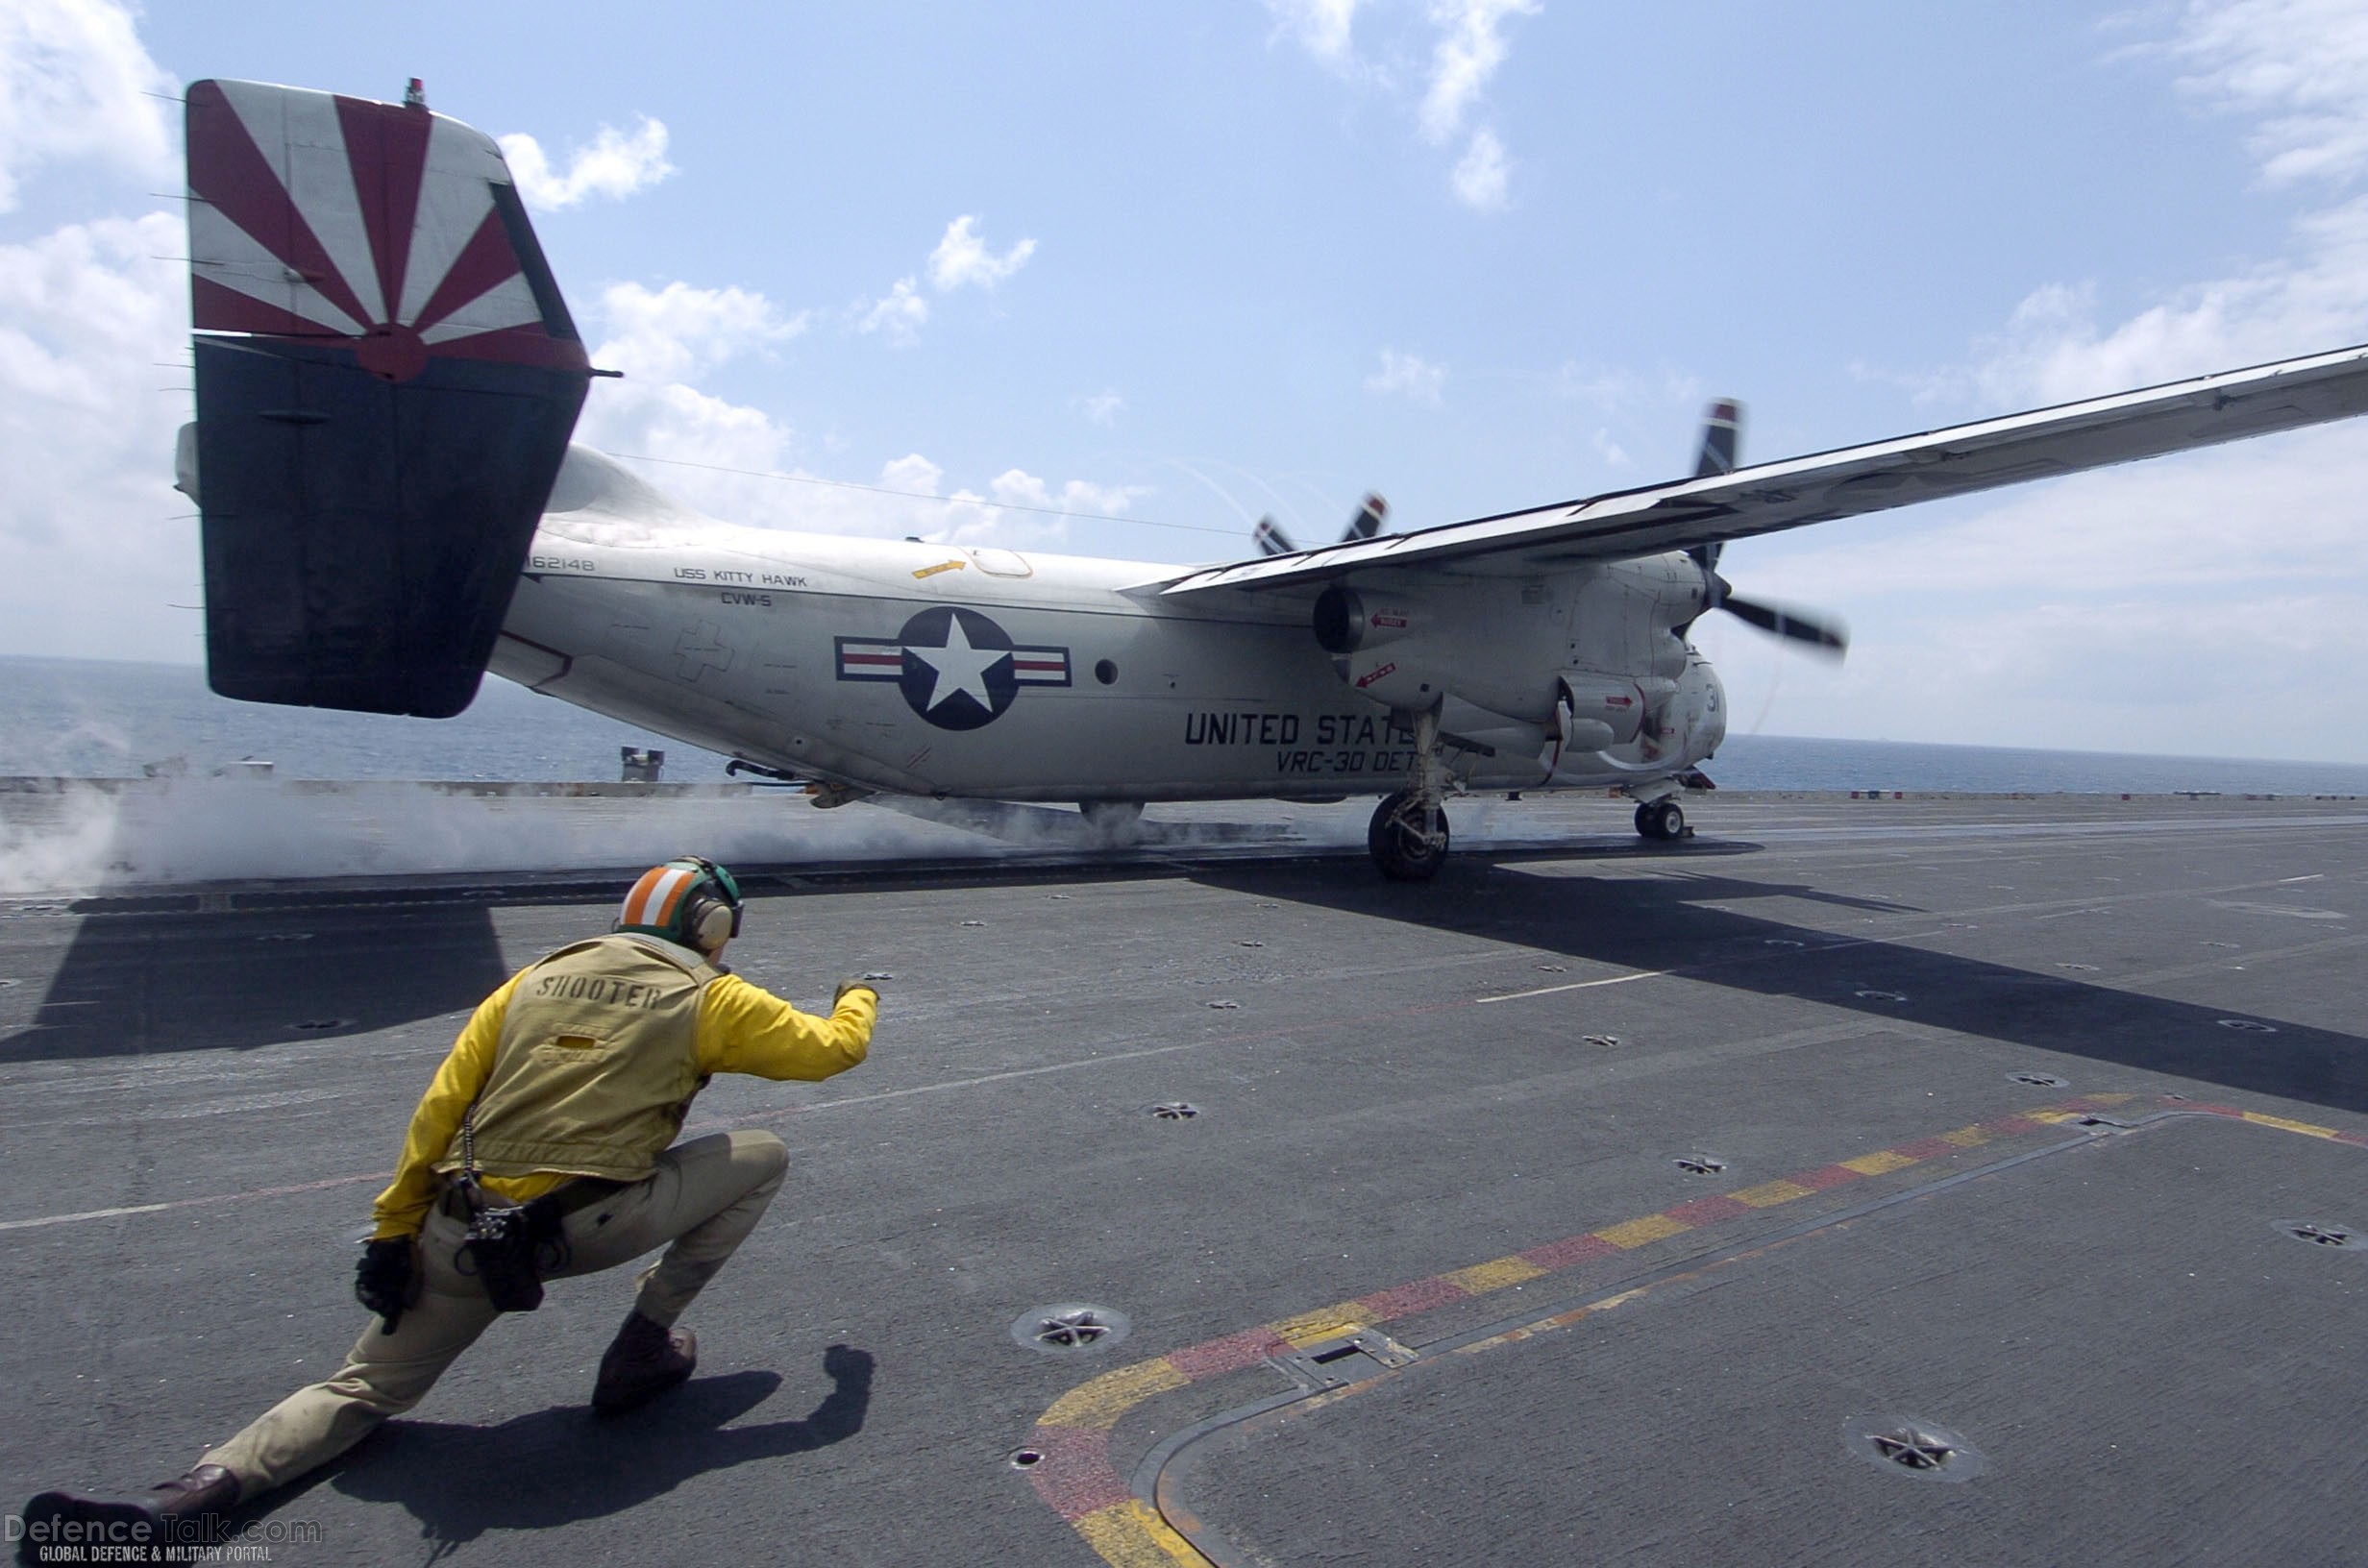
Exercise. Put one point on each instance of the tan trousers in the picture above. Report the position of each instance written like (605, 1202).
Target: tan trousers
(704, 1197)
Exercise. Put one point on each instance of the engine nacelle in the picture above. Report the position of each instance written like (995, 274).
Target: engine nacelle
(1411, 674)
(1346, 622)
(1610, 707)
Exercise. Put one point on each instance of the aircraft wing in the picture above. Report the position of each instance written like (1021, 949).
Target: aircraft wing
(1932, 466)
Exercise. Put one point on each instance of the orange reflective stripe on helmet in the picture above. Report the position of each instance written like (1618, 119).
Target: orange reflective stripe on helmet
(654, 899)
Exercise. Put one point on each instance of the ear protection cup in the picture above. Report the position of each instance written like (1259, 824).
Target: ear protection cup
(717, 913)
(711, 921)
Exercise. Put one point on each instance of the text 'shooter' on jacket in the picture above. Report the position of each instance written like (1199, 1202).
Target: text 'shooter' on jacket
(597, 1064)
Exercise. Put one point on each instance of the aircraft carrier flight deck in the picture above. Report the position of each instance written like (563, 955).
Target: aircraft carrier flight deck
(1960, 1181)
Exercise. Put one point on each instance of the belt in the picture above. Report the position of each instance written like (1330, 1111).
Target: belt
(575, 1193)
(581, 1193)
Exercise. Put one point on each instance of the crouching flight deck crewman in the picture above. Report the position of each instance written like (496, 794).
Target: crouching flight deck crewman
(541, 1150)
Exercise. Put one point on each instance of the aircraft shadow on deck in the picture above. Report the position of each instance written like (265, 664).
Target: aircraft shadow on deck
(1663, 923)
(151, 974)
(147, 984)
(135, 983)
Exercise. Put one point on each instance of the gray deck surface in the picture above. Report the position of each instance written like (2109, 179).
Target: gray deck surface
(2131, 1360)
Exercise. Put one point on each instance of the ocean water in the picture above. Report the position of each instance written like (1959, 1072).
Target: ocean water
(86, 719)
(91, 718)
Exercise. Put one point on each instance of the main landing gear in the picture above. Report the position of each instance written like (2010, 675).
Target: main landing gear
(1409, 832)
(1664, 819)
(1408, 838)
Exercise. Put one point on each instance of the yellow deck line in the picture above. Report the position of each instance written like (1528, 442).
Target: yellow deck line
(1132, 1534)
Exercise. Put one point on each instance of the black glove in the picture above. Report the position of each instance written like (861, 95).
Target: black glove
(857, 982)
(386, 1280)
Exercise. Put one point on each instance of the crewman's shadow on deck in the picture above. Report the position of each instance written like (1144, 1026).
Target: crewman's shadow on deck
(563, 1465)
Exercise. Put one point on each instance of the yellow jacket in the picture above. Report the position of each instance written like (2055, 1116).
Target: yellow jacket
(741, 1028)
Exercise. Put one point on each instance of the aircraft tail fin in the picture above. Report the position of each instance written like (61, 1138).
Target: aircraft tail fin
(387, 379)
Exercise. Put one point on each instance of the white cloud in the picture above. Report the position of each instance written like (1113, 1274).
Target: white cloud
(94, 329)
(1321, 28)
(663, 339)
(1015, 509)
(1101, 408)
(1480, 178)
(962, 257)
(1471, 46)
(898, 317)
(2303, 65)
(677, 331)
(2300, 64)
(2231, 676)
(1416, 378)
(2211, 602)
(2173, 525)
(95, 332)
(616, 165)
(1020, 510)
(74, 88)
(2053, 349)
(1016, 487)
(912, 473)
(1466, 47)
(960, 260)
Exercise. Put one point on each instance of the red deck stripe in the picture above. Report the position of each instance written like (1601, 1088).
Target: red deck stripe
(1230, 1354)
(1075, 1475)
(1402, 1300)
(1707, 1211)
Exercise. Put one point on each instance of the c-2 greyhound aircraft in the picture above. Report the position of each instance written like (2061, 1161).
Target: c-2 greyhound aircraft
(388, 379)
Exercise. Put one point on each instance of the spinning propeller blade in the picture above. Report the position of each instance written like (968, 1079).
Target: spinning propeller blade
(1271, 538)
(1823, 636)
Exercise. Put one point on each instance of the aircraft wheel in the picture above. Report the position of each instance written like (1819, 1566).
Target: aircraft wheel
(1662, 820)
(1645, 822)
(1408, 842)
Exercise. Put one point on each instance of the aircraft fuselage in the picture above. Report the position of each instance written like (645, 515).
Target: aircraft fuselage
(982, 673)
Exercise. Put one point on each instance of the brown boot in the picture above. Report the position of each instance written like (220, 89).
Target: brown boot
(205, 1492)
(644, 1360)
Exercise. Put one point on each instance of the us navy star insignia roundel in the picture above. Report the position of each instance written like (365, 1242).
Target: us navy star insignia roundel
(956, 669)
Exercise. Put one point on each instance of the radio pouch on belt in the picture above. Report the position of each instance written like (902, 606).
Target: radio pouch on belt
(509, 1246)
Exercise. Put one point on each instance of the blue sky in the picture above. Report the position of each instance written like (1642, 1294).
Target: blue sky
(1190, 263)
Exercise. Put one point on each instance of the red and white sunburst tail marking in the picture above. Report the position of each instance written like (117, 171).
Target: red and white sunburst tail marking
(314, 216)
(387, 380)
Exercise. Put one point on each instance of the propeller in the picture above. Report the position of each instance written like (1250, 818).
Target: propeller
(1271, 540)
(1825, 637)
(1722, 431)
